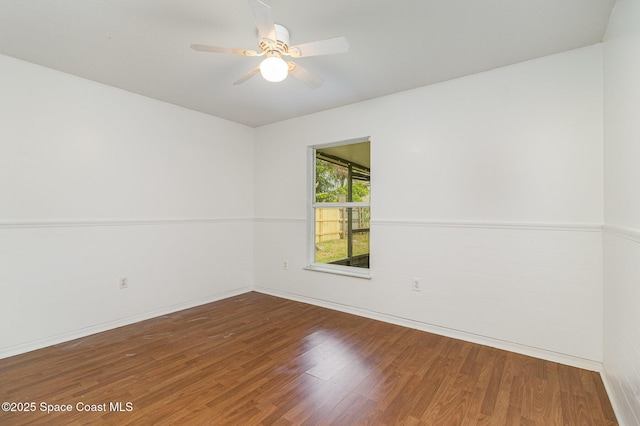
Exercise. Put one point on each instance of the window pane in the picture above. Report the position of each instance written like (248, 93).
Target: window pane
(332, 182)
(340, 230)
(342, 236)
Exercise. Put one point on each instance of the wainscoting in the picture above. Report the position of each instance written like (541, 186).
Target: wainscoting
(622, 321)
(60, 280)
(532, 288)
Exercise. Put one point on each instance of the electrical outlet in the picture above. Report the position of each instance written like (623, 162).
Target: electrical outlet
(124, 283)
(416, 284)
(285, 264)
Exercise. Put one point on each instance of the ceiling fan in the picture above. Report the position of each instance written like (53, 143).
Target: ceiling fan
(273, 42)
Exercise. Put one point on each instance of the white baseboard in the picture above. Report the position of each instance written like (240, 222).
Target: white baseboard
(456, 334)
(76, 334)
(560, 358)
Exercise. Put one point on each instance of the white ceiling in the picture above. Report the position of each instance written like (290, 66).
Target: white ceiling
(143, 45)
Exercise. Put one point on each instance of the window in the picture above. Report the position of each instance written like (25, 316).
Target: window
(339, 209)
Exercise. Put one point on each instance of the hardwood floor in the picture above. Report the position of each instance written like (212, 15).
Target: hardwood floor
(257, 359)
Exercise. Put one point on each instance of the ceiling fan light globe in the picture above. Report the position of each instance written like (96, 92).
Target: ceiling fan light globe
(274, 69)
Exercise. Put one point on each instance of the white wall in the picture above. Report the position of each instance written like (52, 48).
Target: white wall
(97, 184)
(622, 210)
(488, 187)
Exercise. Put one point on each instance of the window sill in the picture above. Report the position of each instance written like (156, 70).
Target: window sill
(340, 270)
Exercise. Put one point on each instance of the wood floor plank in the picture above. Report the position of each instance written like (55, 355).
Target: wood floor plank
(260, 360)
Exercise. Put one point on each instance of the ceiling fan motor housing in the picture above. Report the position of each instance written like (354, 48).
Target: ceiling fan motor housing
(281, 44)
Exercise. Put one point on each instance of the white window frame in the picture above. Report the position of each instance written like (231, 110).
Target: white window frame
(312, 265)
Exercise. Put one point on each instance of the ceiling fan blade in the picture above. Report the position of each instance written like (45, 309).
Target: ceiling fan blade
(247, 76)
(304, 76)
(322, 47)
(216, 49)
(263, 19)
